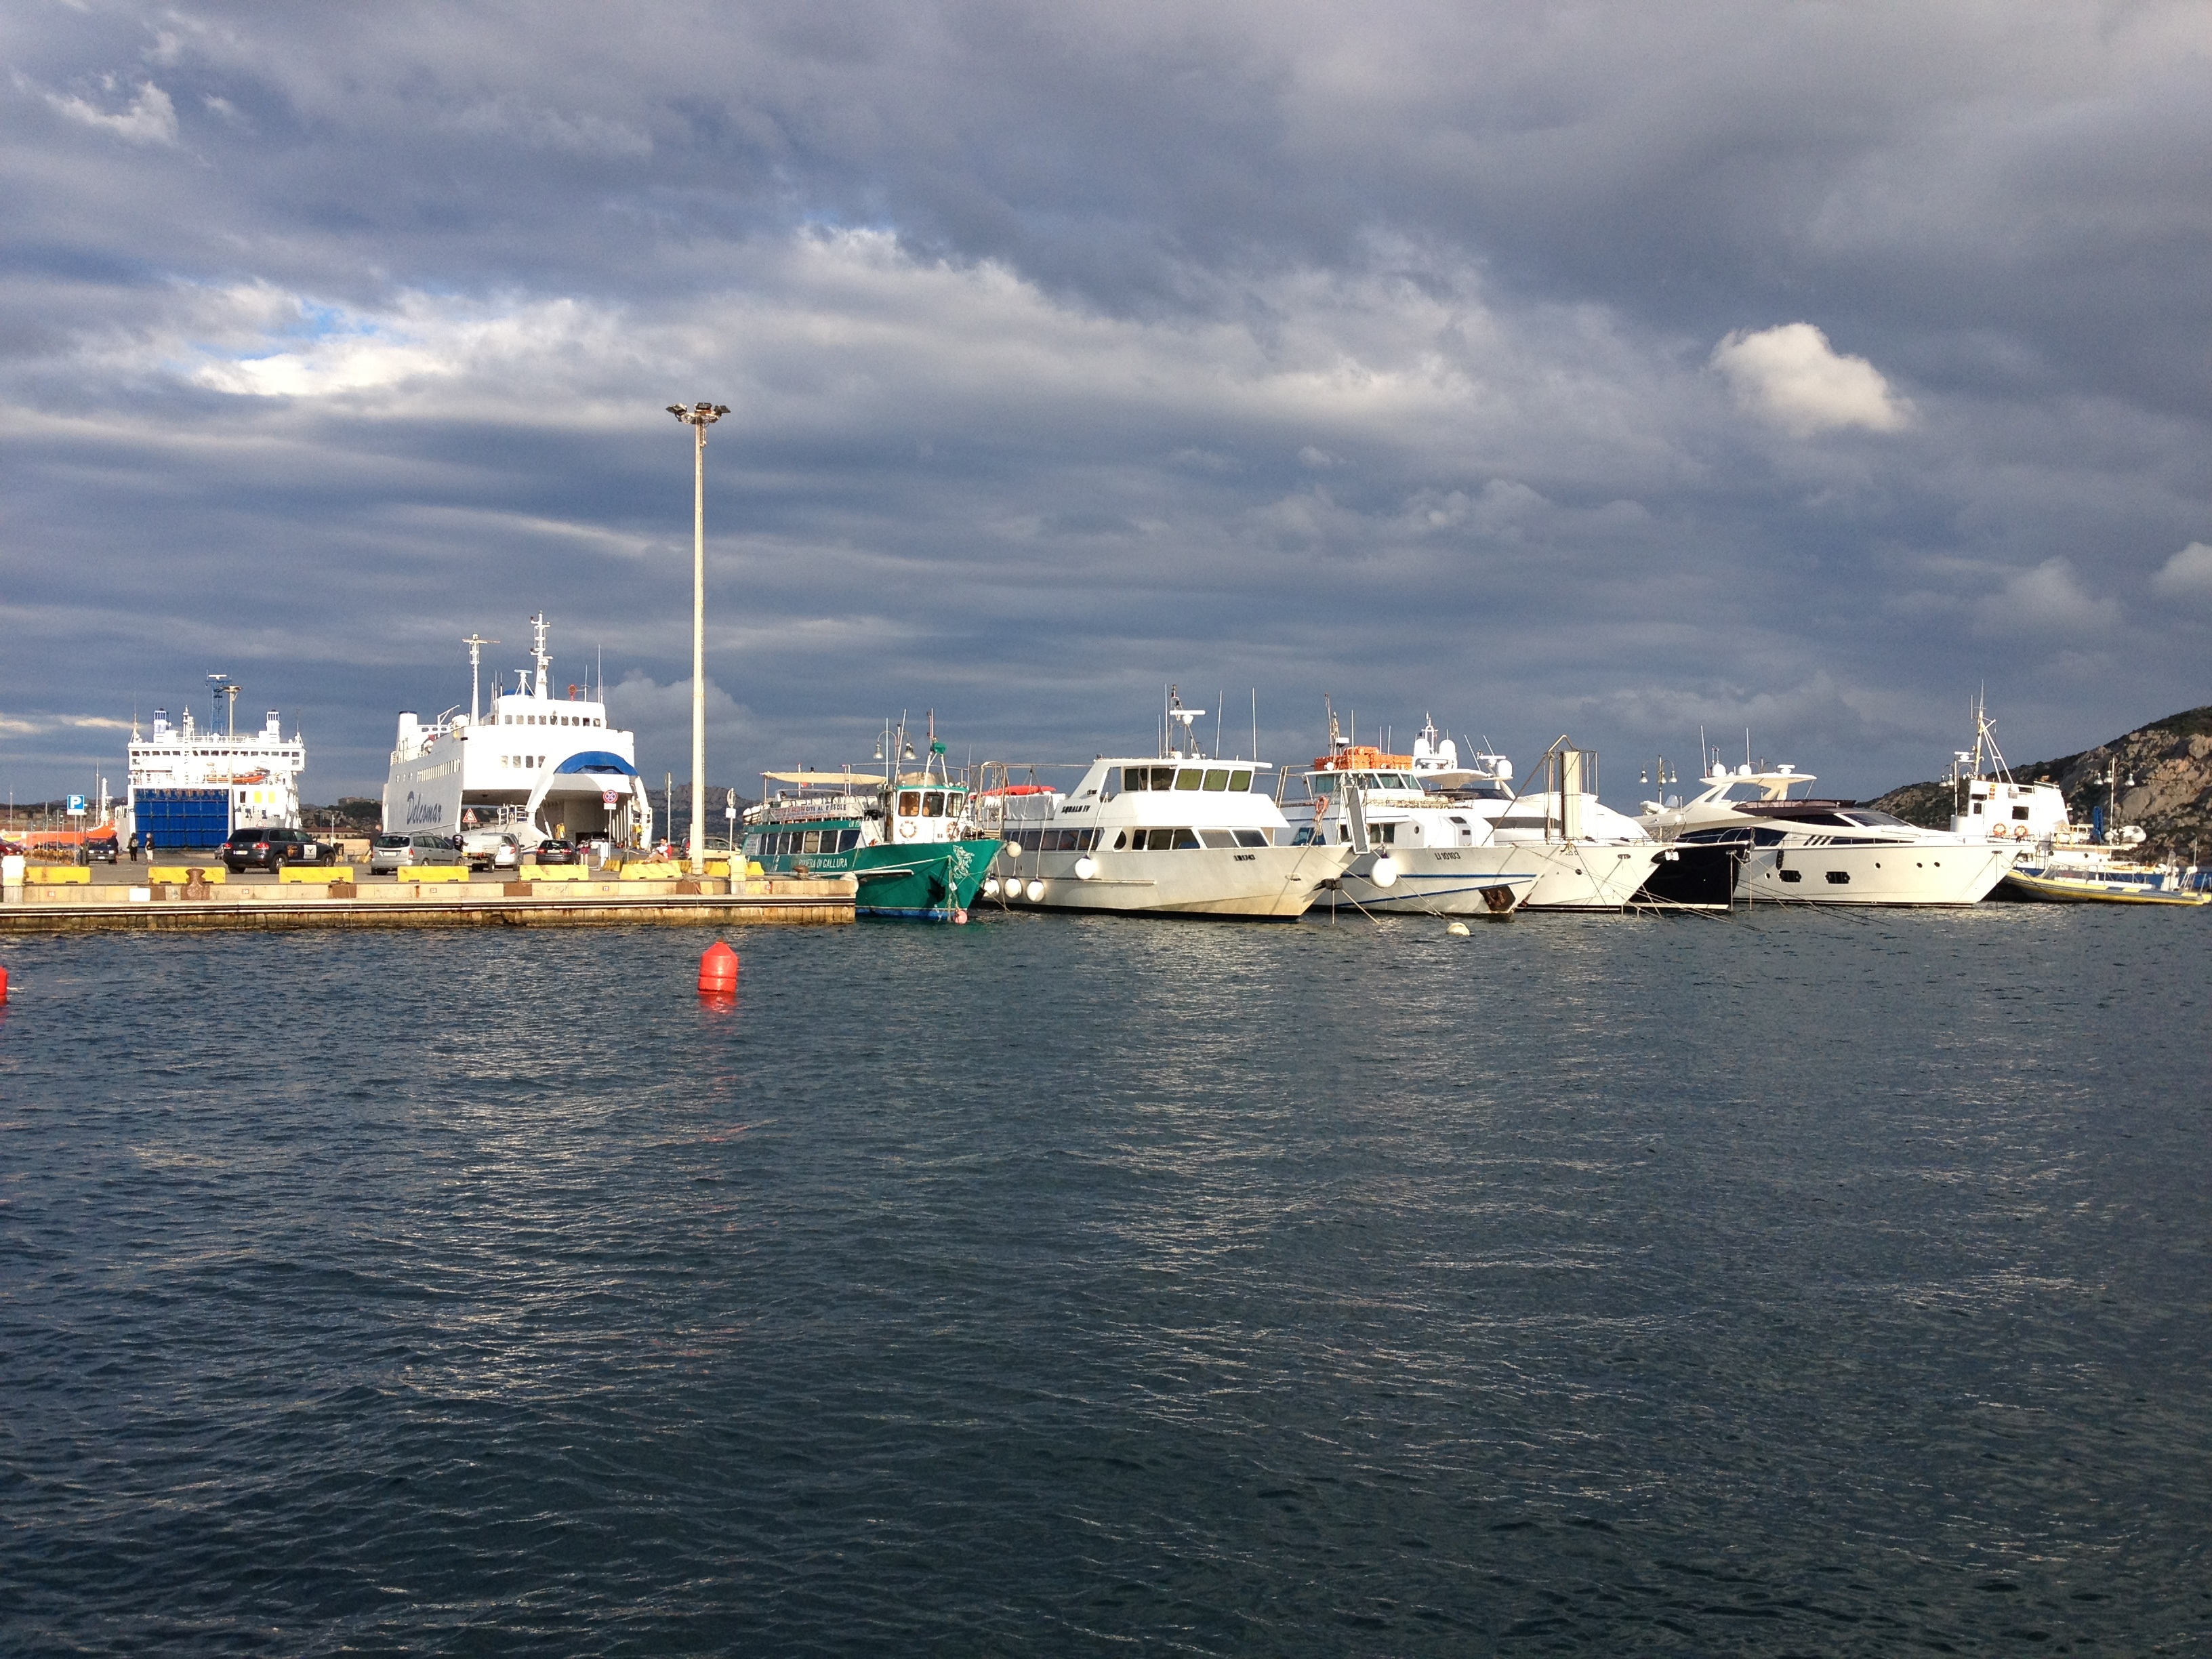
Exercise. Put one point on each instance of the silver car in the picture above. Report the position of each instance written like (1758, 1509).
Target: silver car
(395, 852)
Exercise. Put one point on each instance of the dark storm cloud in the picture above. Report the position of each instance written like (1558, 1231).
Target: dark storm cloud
(1441, 357)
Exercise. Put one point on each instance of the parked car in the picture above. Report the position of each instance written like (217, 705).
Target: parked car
(491, 849)
(99, 849)
(555, 850)
(395, 851)
(270, 849)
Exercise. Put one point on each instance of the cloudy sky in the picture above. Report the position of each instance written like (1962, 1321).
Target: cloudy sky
(1611, 369)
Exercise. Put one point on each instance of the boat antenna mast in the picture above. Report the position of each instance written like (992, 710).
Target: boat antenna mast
(538, 655)
(476, 644)
(1180, 742)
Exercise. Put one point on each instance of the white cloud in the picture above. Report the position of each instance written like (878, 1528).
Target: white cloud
(1792, 376)
(2044, 602)
(2187, 575)
(151, 118)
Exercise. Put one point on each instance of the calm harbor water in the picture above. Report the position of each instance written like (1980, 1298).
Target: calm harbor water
(1809, 1283)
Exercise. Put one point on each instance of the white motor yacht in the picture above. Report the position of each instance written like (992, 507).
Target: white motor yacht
(1172, 833)
(1581, 854)
(1412, 851)
(1804, 851)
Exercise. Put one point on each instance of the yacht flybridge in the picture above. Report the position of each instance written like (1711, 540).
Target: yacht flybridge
(1178, 833)
(544, 764)
(1800, 850)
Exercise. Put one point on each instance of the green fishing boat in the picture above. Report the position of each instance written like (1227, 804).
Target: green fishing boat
(900, 835)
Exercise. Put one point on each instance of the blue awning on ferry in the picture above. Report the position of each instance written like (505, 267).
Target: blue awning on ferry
(597, 760)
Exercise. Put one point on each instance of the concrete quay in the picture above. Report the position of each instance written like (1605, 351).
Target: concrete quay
(114, 901)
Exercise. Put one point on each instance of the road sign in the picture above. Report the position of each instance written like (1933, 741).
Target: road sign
(76, 805)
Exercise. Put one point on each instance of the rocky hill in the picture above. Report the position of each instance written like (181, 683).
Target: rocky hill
(2170, 760)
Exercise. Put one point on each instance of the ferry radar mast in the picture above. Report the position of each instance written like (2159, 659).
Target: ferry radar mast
(476, 644)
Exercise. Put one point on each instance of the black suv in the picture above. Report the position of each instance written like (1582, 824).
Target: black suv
(266, 849)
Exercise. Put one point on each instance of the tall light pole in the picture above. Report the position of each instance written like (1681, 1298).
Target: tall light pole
(698, 417)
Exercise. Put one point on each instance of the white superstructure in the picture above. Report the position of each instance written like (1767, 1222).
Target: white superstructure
(547, 765)
(249, 780)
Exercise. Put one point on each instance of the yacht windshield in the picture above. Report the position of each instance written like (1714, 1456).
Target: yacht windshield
(1870, 816)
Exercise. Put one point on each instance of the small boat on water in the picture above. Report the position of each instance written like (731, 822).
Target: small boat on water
(901, 834)
(2056, 861)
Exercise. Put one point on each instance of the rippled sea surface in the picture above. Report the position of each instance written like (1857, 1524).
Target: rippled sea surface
(1811, 1283)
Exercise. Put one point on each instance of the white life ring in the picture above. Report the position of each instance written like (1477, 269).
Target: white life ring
(907, 828)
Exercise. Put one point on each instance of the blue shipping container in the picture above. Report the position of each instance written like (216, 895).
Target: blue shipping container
(181, 818)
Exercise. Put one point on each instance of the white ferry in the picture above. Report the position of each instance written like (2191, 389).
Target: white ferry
(547, 765)
(191, 789)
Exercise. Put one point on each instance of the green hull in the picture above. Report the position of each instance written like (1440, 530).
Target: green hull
(929, 881)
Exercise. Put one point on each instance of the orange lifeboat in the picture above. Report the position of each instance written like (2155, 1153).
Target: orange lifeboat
(1359, 757)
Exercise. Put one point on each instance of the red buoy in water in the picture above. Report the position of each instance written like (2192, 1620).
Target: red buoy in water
(718, 970)
(3, 983)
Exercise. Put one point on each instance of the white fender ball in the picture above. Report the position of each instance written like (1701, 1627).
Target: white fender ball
(1085, 868)
(1385, 873)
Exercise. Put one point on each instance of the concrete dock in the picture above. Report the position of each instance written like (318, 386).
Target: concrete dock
(124, 899)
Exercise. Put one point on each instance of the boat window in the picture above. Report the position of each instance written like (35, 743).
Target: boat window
(847, 840)
(1217, 838)
(1113, 782)
(1240, 782)
(1184, 839)
(1745, 791)
(1251, 837)
(1868, 816)
(1120, 839)
(952, 801)
(909, 802)
(1840, 877)
(1305, 837)
(1833, 820)
(1216, 780)
(932, 804)
(811, 841)
(2020, 811)
(1190, 777)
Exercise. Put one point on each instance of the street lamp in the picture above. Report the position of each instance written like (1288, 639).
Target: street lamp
(698, 417)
